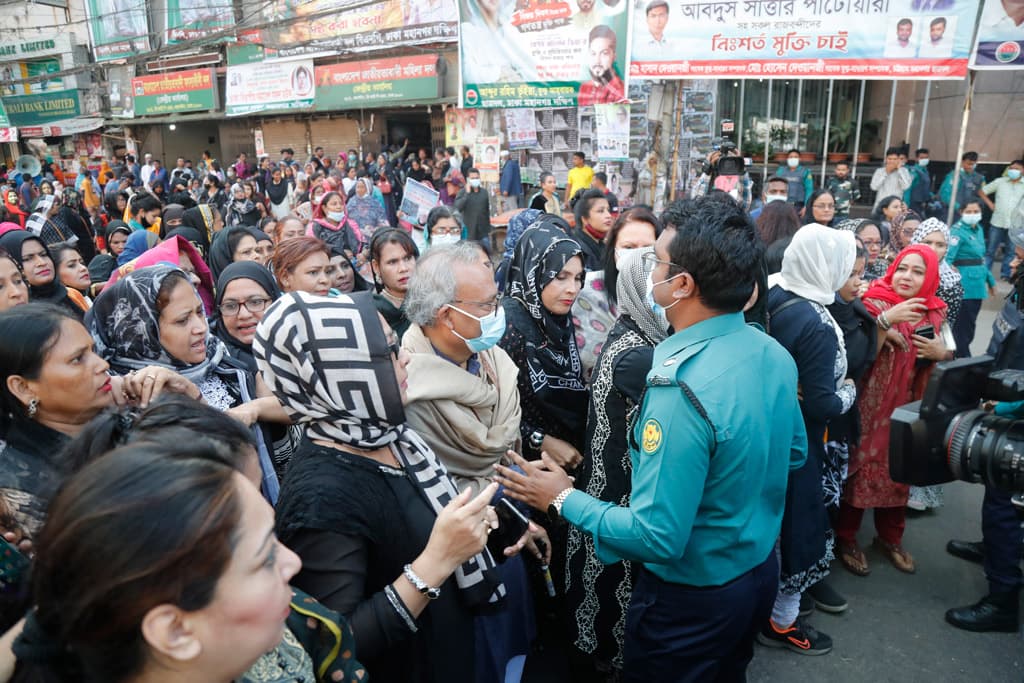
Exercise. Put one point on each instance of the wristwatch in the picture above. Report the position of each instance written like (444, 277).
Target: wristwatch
(420, 585)
(555, 509)
(537, 439)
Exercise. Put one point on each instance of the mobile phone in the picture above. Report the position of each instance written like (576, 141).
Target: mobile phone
(13, 564)
(512, 524)
(926, 331)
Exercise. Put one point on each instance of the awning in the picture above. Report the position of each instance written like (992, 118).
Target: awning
(79, 124)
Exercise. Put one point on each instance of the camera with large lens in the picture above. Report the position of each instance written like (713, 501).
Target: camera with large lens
(947, 437)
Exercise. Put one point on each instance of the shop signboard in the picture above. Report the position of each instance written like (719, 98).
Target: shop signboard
(351, 85)
(15, 75)
(8, 134)
(174, 92)
(542, 54)
(1000, 43)
(270, 86)
(118, 29)
(38, 110)
(332, 26)
(193, 19)
(4, 121)
(844, 39)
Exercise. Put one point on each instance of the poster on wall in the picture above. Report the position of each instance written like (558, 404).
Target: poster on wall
(117, 28)
(542, 54)
(332, 26)
(461, 127)
(852, 39)
(485, 157)
(557, 138)
(521, 127)
(193, 19)
(275, 85)
(612, 125)
(1000, 43)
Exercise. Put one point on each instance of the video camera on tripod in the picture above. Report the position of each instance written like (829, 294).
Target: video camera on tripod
(946, 436)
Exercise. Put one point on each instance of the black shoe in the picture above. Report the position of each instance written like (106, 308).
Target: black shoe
(995, 612)
(972, 551)
(806, 605)
(799, 638)
(826, 598)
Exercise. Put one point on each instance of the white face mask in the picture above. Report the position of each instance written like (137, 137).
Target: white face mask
(922, 162)
(774, 198)
(474, 182)
(792, 163)
(447, 238)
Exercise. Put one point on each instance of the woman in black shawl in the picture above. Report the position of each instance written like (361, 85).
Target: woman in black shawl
(207, 220)
(545, 276)
(39, 269)
(231, 245)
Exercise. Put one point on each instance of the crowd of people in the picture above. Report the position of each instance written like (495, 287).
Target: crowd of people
(259, 425)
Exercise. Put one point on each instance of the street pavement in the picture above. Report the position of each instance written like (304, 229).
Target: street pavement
(894, 629)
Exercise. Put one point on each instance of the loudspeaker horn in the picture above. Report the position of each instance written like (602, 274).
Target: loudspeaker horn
(28, 166)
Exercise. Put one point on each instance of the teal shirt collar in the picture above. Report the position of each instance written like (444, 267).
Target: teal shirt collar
(717, 326)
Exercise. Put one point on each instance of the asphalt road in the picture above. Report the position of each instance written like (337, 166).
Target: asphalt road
(894, 629)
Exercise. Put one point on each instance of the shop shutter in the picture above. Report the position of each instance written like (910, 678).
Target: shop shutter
(278, 135)
(335, 135)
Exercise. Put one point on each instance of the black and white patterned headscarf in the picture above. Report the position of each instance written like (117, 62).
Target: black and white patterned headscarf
(328, 362)
(631, 290)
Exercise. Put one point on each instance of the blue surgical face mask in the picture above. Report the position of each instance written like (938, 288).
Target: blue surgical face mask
(1013, 174)
(474, 182)
(447, 238)
(792, 163)
(336, 216)
(971, 218)
(659, 310)
(492, 327)
(922, 162)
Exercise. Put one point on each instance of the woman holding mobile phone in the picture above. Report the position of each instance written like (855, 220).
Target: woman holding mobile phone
(904, 303)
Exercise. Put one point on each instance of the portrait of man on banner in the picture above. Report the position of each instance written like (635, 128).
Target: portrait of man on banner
(605, 85)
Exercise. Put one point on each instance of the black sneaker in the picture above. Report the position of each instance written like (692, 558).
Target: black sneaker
(806, 605)
(826, 598)
(800, 638)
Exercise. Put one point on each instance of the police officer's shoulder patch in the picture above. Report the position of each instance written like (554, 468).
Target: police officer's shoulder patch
(651, 436)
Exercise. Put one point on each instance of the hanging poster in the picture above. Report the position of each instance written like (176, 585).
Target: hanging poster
(267, 86)
(535, 53)
(175, 92)
(522, 128)
(122, 104)
(852, 39)
(486, 158)
(1000, 43)
(612, 131)
(118, 28)
(351, 85)
(193, 19)
(461, 127)
(332, 26)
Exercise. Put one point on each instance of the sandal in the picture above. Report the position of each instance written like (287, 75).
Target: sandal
(899, 557)
(853, 559)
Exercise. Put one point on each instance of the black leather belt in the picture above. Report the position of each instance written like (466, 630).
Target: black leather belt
(969, 262)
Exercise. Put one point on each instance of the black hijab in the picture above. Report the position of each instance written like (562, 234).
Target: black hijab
(242, 270)
(222, 251)
(54, 292)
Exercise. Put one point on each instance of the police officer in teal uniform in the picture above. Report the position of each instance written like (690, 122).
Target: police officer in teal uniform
(718, 432)
(967, 254)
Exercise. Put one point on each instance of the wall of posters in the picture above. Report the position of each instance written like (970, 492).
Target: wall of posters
(521, 127)
(851, 39)
(535, 53)
(276, 85)
(1000, 43)
(330, 26)
(557, 138)
(351, 85)
(175, 92)
(192, 19)
(117, 28)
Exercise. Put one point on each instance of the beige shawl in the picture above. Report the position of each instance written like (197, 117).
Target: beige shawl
(468, 421)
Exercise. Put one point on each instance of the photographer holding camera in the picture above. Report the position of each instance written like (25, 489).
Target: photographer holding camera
(999, 551)
(725, 170)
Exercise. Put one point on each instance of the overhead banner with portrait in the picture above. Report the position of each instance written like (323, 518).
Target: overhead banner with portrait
(117, 28)
(193, 19)
(269, 86)
(542, 54)
(332, 26)
(851, 39)
(1000, 43)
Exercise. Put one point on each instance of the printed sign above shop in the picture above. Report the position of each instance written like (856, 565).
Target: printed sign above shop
(535, 54)
(1000, 42)
(376, 81)
(275, 85)
(853, 39)
(14, 77)
(118, 28)
(174, 92)
(330, 26)
(193, 19)
(37, 110)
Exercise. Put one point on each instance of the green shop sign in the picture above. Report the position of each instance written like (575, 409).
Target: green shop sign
(42, 109)
(174, 93)
(376, 81)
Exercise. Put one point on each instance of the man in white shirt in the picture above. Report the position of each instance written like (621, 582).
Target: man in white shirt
(938, 44)
(891, 180)
(902, 46)
(657, 19)
(147, 169)
(1002, 20)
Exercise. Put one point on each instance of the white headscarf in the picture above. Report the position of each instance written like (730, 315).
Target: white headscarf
(817, 263)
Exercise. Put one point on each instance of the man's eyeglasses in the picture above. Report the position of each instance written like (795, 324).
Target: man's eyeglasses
(651, 262)
(253, 305)
(489, 306)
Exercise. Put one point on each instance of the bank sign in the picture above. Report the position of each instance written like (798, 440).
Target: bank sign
(351, 85)
(174, 93)
(37, 110)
